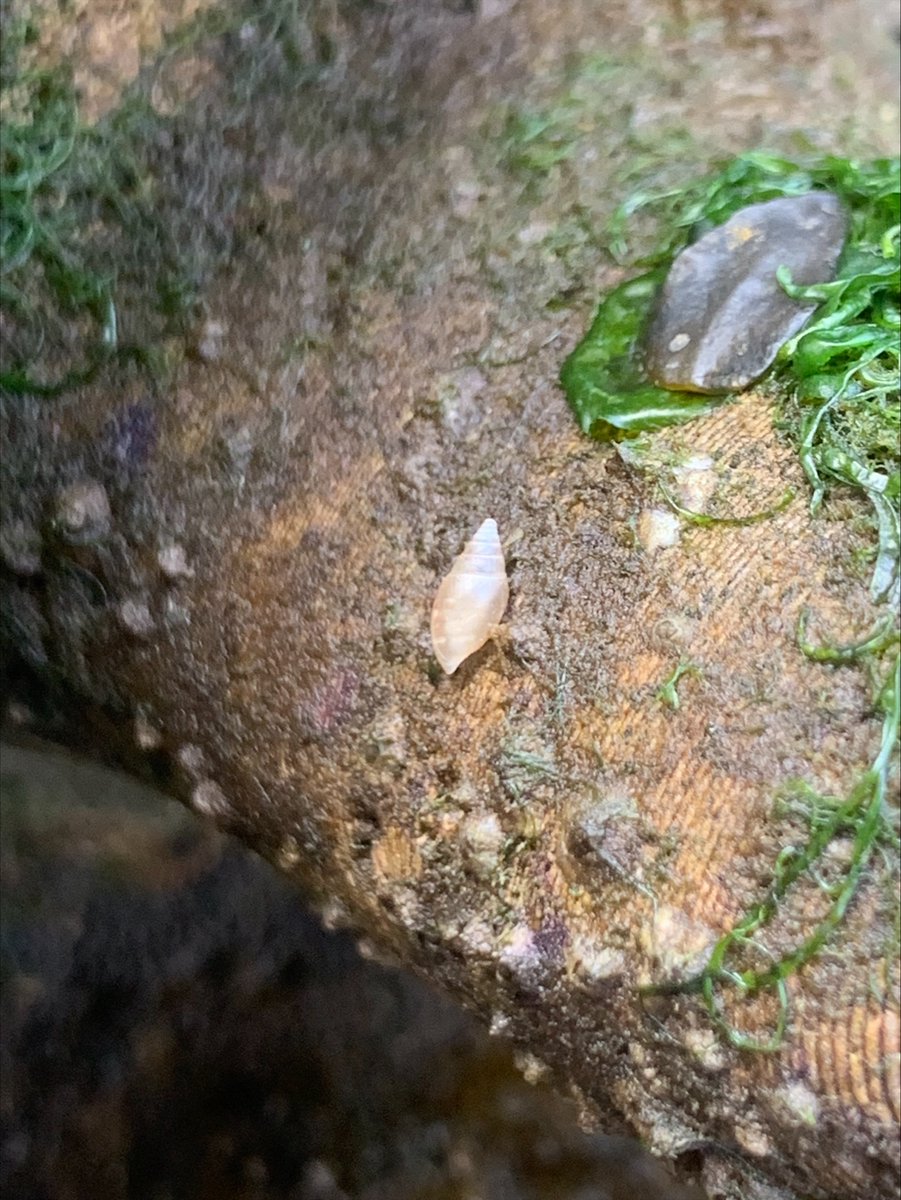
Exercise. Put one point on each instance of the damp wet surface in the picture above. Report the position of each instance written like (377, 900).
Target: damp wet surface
(383, 225)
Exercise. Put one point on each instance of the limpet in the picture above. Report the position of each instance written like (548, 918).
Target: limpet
(471, 598)
(721, 315)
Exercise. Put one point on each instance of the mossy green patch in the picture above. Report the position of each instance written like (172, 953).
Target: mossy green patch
(535, 140)
(568, 144)
(40, 262)
(861, 817)
(837, 383)
(838, 379)
(110, 233)
(668, 692)
(79, 228)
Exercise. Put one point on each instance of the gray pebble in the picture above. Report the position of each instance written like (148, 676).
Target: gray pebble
(722, 315)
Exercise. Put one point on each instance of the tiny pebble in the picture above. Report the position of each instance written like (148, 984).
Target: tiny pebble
(532, 1068)
(192, 760)
(173, 562)
(208, 799)
(135, 618)
(319, 1183)
(210, 341)
(657, 529)
(147, 736)
(83, 510)
(288, 855)
(18, 714)
(20, 547)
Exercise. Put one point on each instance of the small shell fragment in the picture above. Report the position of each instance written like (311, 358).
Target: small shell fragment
(657, 529)
(471, 599)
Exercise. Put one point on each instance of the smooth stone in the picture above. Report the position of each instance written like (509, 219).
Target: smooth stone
(721, 315)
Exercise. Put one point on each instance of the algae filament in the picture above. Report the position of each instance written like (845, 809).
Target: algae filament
(603, 377)
(838, 379)
(837, 383)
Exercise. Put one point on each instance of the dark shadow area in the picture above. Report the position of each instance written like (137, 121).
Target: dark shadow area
(177, 1024)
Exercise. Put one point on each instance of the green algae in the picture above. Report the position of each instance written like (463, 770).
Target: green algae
(837, 380)
(109, 233)
(36, 239)
(536, 140)
(861, 817)
(883, 636)
(837, 385)
(604, 372)
(706, 520)
(81, 234)
(668, 692)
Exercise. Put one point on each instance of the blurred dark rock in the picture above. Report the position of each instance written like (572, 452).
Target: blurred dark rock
(175, 1023)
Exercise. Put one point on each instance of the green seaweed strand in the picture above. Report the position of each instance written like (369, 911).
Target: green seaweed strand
(667, 693)
(707, 519)
(882, 637)
(33, 155)
(863, 812)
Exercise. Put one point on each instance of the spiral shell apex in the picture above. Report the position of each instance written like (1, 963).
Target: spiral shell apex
(471, 599)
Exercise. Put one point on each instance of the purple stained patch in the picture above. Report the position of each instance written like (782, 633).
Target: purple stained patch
(329, 704)
(131, 435)
(550, 940)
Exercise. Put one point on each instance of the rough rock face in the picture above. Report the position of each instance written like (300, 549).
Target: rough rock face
(722, 316)
(244, 611)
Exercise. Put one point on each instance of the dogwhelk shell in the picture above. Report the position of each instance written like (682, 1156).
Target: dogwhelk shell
(471, 599)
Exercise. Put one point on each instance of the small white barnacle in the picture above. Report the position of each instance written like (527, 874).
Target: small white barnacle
(471, 598)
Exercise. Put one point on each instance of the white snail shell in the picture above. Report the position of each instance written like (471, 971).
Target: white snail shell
(471, 598)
